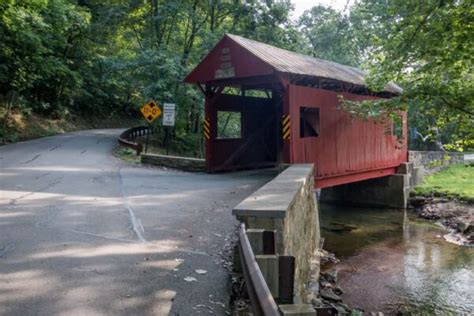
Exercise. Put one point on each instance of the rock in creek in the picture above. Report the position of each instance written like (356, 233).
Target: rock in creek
(430, 212)
(316, 302)
(325, 284)
(341, 227)
(328, 294)
(419, 201)
(328, 258)
(338, 290)
(356, 312)
(330, 276)
(340, 310)
(464, 226)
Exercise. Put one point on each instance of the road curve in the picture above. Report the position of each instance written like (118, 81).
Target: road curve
(82, 233)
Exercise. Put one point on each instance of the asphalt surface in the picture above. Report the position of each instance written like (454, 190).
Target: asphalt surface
(82, 233)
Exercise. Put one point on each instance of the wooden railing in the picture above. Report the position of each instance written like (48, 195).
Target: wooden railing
(127, 138)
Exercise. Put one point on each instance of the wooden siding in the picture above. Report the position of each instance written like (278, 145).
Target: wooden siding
(348, 149)
(243, 63)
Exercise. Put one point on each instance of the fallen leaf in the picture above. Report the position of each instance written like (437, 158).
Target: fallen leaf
(217, 303)
(190, 279)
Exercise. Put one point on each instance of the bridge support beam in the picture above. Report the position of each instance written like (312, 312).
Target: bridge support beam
(390, 191)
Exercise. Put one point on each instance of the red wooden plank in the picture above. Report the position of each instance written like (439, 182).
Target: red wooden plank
(230, 56)
(347, 149)
(326, 182)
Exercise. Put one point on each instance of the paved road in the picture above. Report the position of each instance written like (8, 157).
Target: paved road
(82, 233)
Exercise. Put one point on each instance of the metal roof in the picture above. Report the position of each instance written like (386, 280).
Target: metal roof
(286, 61)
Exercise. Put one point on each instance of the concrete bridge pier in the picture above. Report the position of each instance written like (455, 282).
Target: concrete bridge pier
(390, 191)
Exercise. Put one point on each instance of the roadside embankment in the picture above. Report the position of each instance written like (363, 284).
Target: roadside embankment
(21, 127)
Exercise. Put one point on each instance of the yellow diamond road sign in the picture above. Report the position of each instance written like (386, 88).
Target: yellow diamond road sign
(150, 111)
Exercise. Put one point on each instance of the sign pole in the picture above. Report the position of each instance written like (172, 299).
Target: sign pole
(167, 141)
(147, 139)
(169, 118)
(150, 111)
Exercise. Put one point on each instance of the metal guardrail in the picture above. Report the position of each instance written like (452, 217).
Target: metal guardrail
(269, 278)
(260, 296)
(128, 136)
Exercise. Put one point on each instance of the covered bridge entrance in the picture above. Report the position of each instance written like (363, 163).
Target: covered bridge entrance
(266, 106)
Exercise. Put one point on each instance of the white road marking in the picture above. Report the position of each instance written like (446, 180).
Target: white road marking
(136, 224)
(98, 235)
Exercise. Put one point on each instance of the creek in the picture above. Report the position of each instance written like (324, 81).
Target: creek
(393, 262)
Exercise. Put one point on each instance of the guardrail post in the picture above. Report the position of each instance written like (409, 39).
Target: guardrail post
(270, 270)
(262, 241)
(259, 293)
(286, 272)
(139, 149)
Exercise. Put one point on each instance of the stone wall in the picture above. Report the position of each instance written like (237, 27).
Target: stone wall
(390, 191)
(433, 161)
(175, 162)
(288, 205)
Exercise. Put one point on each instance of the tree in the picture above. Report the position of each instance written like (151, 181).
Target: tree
(41, 42)
(426, 47)
(331, 36)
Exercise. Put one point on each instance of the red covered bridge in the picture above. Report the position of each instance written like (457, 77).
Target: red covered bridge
(266, 106)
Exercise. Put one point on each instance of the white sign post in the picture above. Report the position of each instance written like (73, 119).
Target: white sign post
(169, 114)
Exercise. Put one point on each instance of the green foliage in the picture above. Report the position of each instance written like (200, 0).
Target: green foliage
(460, 145)
(229, 124)
(127, 154)
(41, 42)
(427, 48)
(456, 181)
(331, 35)
(99, 58)
(104, 58)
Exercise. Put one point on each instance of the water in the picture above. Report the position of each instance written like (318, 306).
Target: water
(395, 263)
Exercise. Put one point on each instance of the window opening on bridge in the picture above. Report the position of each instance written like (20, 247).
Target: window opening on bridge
(266, 94)
(257, 93)
(231, 91)
(309, 122)
(229, 125)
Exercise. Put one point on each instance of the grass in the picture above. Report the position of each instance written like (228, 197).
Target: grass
(182, 146)
(456, 182)
(127, 154)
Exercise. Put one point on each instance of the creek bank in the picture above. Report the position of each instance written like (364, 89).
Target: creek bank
(456, 217)
(326, 295)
